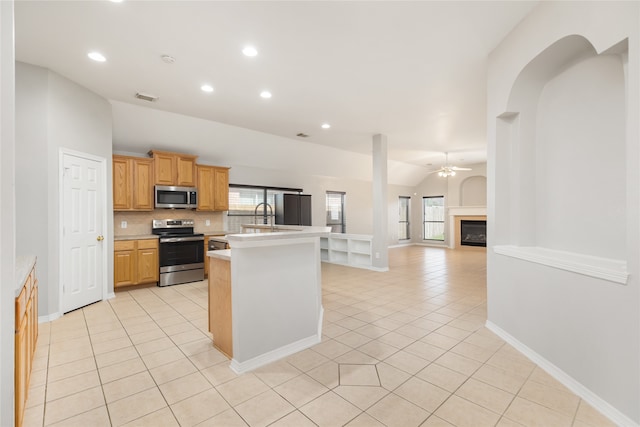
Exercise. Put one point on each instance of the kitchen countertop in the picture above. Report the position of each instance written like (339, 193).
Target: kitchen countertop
(24, 264)
(137, 237)
(224, 254)
(214, 233)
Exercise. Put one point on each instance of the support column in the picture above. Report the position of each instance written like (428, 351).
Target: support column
(380, 249)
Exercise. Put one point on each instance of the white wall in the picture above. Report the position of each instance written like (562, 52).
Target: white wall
(586, 329)
(280, 162)
(7, 214)
(52, 113)
(580, 162)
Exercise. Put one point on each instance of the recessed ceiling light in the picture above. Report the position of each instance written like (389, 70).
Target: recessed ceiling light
(265, 94)
(116, 1)
(97, 56)
(207, 88)
(249, 51)
(326, 126)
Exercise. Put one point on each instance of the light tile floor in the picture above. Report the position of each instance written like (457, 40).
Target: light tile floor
(402, 348)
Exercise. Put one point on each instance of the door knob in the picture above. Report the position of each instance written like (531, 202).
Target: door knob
(99, 238)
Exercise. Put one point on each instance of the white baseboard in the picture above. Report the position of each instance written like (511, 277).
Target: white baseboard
(365, 267)
(402, 245)
(49, 317)
(110, 295)
(565, 379)
(273, 355)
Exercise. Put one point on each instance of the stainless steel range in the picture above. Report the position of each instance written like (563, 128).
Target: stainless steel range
(181, 251)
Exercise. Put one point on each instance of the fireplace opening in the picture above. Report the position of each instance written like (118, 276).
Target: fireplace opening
(473, 233)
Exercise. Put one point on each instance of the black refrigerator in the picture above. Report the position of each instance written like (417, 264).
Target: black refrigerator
(293, 209)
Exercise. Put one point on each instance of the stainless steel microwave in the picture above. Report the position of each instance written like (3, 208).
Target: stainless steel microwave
(176, 197)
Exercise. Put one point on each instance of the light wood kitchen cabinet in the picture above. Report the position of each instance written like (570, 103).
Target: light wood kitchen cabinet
(213, 188)
(174, 169)
(221, 189)
(135, 262)
(26, 335)
(132, 183)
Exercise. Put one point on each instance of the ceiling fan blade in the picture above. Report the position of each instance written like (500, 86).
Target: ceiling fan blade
(455, 168)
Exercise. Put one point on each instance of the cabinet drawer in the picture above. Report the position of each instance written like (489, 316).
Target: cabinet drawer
(124, 245)
(148, 244)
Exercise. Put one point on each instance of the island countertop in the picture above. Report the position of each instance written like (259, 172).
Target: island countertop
(287, 232)
(24, 265)
(224, 254)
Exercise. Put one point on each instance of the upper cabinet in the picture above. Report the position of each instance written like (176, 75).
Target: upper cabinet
(213, 188)
(174, 169)
(132, 183)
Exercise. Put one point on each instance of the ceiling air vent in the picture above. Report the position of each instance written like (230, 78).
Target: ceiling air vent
(302, 135)
(146, 97)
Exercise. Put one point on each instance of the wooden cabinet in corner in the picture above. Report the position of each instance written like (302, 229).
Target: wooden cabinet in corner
(135, 262)
(132, 183)
(174, 168)
(213, 188)
(26, 336)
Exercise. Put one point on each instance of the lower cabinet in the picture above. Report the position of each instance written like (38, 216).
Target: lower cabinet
(220, 305)
(26, 335)
(135, 262)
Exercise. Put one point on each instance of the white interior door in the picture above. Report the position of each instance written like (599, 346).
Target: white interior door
(82, 239)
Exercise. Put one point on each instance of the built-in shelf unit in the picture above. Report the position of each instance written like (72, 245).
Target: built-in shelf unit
(347, 249)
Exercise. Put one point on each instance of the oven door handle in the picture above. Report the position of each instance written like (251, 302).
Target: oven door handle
(181, 239)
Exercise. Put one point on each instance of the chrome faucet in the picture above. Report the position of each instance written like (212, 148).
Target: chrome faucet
(255, 213)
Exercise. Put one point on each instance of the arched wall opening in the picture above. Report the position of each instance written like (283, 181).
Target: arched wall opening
(561, 153)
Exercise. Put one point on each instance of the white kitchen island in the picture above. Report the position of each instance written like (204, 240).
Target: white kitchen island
(265, 295)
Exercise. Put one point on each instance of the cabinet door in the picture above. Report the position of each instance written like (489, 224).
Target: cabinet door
(148, 266)
(220, 317)
(121, 183)
(186, 167)
(164, 166)
(142, 184)
(20, 380)
(124, 268)
(221, 189)
(205, 188)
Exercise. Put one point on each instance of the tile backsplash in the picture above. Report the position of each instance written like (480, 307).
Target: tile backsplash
(139, 223)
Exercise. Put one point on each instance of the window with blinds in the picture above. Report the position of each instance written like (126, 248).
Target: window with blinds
(335, 211)
(252, 204)
(404, 209)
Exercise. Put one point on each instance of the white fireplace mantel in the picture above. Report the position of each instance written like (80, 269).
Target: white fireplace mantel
(455, 211)
(467, 211)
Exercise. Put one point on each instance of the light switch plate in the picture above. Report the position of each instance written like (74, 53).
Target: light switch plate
(207, 223)
(123, 224)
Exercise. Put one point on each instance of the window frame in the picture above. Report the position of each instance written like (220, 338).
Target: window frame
(425, 221)
(407, 219)
(343, 202)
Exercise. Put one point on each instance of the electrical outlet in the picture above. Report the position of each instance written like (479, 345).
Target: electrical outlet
(377, 255)
(207, 223)
(123, 224)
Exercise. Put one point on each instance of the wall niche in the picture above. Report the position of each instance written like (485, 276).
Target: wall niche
(561, 148)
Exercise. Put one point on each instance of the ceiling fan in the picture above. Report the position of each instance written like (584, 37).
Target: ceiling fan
(447, 170)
